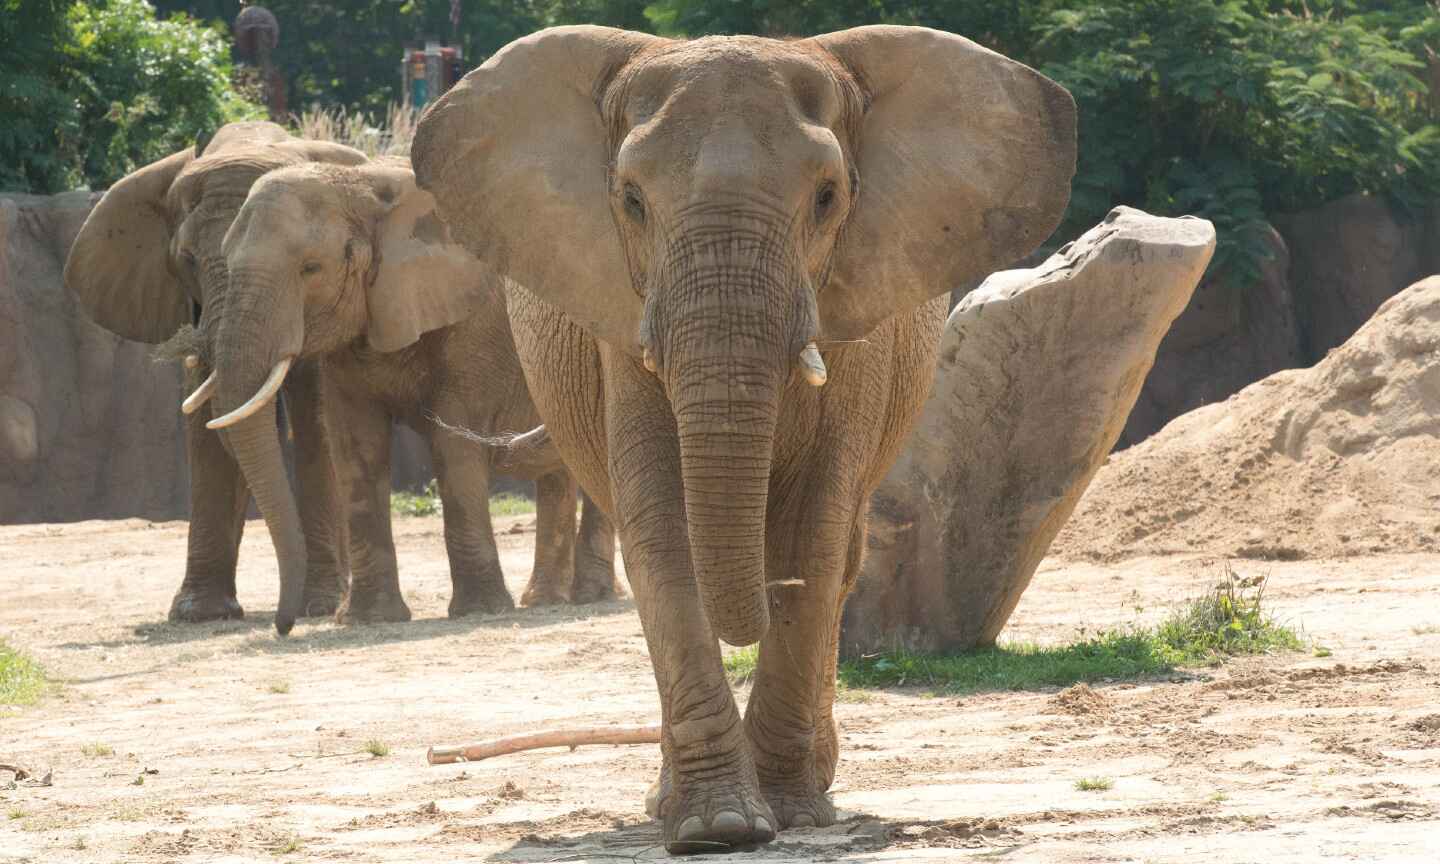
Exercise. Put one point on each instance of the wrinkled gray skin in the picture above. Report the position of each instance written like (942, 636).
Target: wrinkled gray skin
(147, 255)
(339, 262)
(685, 217)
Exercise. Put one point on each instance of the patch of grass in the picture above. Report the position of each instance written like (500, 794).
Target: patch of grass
(14, 813)
(96, 750)
(1218, 798)
(377, 748)
(425, 503)
(740, 663)
(1321, 651)
(1094, 784)
(289, 846)
(506, 504)
(278, 686)
(1229, 620)
(21, 679)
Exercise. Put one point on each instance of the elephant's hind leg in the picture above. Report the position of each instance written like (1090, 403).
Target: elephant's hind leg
(594, 556)
(554, 570)
(218, 498)
(477, 582)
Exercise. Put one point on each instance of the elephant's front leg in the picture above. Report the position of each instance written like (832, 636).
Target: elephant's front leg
(362, 460)
(218, 498)
(815, 553)
(594, 556)
(322, 514)
(463, 473)
(712, 795)
(554, 570)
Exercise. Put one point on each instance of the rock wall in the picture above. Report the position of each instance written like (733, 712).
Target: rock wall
(88, 424)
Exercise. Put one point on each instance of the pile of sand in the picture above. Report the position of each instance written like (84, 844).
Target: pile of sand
(1339, 459)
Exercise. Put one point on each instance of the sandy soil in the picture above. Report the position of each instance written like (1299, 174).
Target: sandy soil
(231, 745)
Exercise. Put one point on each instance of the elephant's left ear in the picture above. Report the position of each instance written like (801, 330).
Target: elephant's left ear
(965, 159)
(423, 281)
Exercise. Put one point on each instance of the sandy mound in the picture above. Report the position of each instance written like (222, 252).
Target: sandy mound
(1339, 459)
(1078, 700)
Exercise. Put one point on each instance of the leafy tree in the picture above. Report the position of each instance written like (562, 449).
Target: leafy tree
(93, 91)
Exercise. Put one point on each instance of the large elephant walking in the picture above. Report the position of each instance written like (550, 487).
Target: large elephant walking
(733, 252)
(350, 264)
(144, 264)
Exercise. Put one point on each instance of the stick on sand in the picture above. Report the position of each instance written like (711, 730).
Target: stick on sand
(571, 738)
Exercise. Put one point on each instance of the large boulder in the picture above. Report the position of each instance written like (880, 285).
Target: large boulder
(88, 424)
(1334, 460)
(1038, 371)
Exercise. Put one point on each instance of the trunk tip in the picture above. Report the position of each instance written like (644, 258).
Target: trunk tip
(745, 632)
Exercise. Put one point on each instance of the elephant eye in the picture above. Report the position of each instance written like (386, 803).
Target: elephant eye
(310, 268)
(824, 200)
(634, 204)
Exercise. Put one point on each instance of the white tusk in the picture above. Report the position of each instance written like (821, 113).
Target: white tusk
(812, 366)
(201, 395)
(192, 361)
(648, 359)
(261, 398)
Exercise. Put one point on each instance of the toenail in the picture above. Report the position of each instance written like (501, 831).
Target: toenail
(728, 822)
(690, 829)
(762, 826)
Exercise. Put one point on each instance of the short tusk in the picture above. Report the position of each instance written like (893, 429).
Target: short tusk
(201, 395)
(649, 360)
(192, 361)
(812, 366)
(261, 398)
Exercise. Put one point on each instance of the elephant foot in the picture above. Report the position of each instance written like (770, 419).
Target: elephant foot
(365, 607)
(191, 606)
(320, 604)
(802, 811)
(481, 599)
(594, 585)
(716, 817)
(543, 591)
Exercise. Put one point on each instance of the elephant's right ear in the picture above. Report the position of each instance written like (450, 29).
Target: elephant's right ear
(518, 151)
(119, 265)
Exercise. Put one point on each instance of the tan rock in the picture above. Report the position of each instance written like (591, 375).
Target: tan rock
(1038, 371)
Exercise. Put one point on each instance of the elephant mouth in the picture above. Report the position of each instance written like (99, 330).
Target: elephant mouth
(255, 403)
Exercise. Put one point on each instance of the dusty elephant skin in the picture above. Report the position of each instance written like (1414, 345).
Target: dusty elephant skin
(731, 250)
(148, 255)
(350, 265)
(1038, 371)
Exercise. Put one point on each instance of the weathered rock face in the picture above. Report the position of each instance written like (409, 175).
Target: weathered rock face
(1348, 257)
(1339, 459)
(1231, 335)
(1038, 372)
(88, 424)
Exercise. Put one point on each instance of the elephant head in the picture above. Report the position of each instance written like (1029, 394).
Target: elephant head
(318, 257)
(721, 208)
(152, 246)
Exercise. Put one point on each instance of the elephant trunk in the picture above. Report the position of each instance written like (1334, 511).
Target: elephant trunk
(254, 340)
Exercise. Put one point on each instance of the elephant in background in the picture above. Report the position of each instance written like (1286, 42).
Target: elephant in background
(146, 261)
(733, 253)
(349, 264)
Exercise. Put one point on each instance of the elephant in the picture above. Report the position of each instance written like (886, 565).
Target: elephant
(349, 265)
(146, 263)
(729, 257)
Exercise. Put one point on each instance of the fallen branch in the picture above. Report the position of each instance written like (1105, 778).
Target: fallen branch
(571, 738)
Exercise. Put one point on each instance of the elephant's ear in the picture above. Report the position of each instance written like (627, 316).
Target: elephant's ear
(119, 265)
(965, 159)
(422, 279)
(518, 158)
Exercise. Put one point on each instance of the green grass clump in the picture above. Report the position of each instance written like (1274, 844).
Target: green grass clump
(506, 504)
(279, 685)
(96, 750)
(377, 748)
(1094, 784)
(21, 679)
(424, 503)
(740, 663)
(1227, 621)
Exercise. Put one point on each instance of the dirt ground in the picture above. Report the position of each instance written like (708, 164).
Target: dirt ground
(220, 742)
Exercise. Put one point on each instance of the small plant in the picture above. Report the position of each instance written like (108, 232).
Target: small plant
(740, 663)
(96, 750)
(1321, 651)
(1228, 620)
(21, 680)
(377, 748)
(288, 845)
(138, 781)
(79, 845)
(15, 813)
(506, 504)
(1218, 797)
(1094, 784)
(390, 137)
(279, 685)
(424, 503)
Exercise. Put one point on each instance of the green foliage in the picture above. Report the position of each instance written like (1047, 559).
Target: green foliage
(1094, 784)
(426, 503)
(1227, 621)
(21, 680)
(91, 91)
(506, 504)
